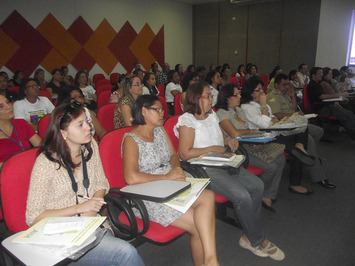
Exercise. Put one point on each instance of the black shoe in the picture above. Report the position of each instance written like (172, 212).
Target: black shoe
(303, 157)
(325, 183)
(267, 207)
(309, 191)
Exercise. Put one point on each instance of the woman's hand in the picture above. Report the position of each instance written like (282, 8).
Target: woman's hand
(92, 205)
(176, 174)
(233, 144)
(262, 99)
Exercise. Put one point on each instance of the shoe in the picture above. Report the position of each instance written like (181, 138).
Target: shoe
(256, 250)
(278, 255)
(267, 207)
(327, 184)
(309, 191)
(303, 157)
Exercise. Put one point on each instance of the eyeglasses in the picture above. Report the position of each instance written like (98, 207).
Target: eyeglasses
(196, 79)
(70, 108)
(138, 85)
(33, 86)
(208, 96)
(158, 109)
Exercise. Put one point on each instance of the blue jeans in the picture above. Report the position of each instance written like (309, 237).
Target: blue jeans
(245, 191)
(111, 251)
(272, 174)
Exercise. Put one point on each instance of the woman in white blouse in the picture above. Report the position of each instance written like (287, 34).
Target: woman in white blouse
(214, 79)
(200, 132)
(89, 92)
(172, 89)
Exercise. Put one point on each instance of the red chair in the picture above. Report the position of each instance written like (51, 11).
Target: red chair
(45, 94)
(102, 81)
(15, 89)
(234, 80)
(103, 98)
(177, 105)
(103, 87)
(110, 152)
(265, 78)
(234, 74)
(15, 182)
(97, 77)
(161, 89)
(105, 116)
(44, 88)
(164, 106)
(242, 80)
(43, 125)
(113, 77)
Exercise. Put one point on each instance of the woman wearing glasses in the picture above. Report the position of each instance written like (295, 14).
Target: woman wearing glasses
(68, 156)
(132, 88)
(199, 133)
(73, 93)
(148, 154)
(30, 106)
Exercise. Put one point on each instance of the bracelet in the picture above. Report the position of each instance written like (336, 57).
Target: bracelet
(264, 108)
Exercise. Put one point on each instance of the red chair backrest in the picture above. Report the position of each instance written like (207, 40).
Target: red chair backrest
(44, 87)
(103, 87)
(97, 77)
(234, 80)
(15, 182)
(102, 81)
(15, 89)
(110, 153)
(306, 103)
(43, 125)
(113, 77)
(105, 116)
(165, 107)
(264, 78)
(161, 89)
(242, 80)
(169, 127)
(103, 98)
(177, 105)
(45, 94)
(234, 74)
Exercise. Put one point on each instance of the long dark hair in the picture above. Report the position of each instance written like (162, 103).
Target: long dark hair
(76, 82)
(224, 93)
(142, 101)
(64, 94)
(186, 81)
(53, 146)
(152, 90)
(248, 88)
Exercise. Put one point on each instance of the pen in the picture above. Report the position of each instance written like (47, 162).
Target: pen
(84, 197)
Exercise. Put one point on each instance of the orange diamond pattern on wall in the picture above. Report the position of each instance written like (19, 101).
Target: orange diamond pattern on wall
(78, 45)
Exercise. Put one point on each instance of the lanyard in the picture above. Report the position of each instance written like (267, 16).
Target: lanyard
(86, 181)
(19, 141)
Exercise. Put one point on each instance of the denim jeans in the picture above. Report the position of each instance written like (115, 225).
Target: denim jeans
(111, 251)
(245, 191)
(272, 174)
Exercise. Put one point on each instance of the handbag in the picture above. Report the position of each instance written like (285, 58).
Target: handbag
(267, 153)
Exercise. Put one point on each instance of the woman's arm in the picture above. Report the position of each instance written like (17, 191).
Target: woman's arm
(186, 149)
(256, 117)
(174, 160)
(35, 140)
(126, 114)
(94, 97)
(174, 92)
(228, 127)
(99, 129)
(131, 172)
(51, 91)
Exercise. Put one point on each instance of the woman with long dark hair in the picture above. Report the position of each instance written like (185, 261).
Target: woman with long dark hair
(149, 83)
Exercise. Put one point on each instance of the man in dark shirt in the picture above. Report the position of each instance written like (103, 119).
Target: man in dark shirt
(316, 95)
(10, 95)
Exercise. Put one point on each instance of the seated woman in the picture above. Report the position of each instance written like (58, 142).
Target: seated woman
(148, 154)
(29, 105)
(180, 70)
(154, 68)
(190, 68)
(277, 70)
(259, 115)
(199, 134)
(172, 89)
(132, 88)
(72, 93)
(294, 80)
(56, 83)
(17, 78)
(67, 79)
(89, 80)
(190, 78)
(68, 155)
(235, 124)
(240, 72)
(116, 90)
(39, 77)
(15, 134)
(226, 76)
(149, 83)
(252, 71)
(139, 73)
(88, 91)
(214, 79)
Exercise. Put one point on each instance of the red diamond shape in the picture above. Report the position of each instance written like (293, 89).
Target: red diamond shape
(83, 60)
(80, 30)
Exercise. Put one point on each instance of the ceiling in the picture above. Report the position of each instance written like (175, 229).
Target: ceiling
(196, 2)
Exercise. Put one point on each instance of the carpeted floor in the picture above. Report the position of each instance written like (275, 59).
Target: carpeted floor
(311, 230)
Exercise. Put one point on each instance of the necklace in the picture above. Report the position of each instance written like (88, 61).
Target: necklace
(17, 142)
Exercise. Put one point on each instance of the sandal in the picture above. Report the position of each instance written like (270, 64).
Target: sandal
(256, 250)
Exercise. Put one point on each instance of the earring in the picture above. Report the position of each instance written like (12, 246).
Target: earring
(64, 138)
